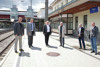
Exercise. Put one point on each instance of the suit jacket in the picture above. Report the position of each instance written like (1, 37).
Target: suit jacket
(82, 32)
(63, 31)
(29, 29)
(45, 29)
(18, 29)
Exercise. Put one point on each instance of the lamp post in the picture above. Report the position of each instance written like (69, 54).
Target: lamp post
(46, 10)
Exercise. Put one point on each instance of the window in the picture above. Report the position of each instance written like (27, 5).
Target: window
(85, 22)
(76, 23)
(57, 6)
(62, 4)
(70, 23)
(66, 1)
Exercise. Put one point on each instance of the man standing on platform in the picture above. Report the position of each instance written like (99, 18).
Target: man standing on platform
(30, 32)
(93, 37)
(81, 36)
(62, 32)
(47, 32)
(18, 32)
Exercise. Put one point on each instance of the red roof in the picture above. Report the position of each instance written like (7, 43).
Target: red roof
(4, 16)
(8, 16)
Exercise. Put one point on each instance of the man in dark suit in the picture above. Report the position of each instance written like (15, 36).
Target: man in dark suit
(47, 32)
(18, 32)
(30, 32)
(81, 36)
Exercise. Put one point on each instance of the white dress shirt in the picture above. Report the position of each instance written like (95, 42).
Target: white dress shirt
(79, 30)
(48, 28)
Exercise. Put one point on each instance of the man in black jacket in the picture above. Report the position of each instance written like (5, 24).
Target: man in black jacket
(47, 32)
(93, 37)
(81, 36)
(18, 32)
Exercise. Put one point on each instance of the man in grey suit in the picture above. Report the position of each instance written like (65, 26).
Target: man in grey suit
(18, 32)
(93, 37)
(30, 32)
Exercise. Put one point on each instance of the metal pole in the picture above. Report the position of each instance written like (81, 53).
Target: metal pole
(31, 3)
(46, 10)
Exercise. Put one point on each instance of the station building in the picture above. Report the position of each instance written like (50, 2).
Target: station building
(75, 12)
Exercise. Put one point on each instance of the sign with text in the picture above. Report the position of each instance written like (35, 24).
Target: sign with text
(94, 9)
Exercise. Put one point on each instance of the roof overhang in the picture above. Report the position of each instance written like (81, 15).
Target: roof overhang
(54, 2)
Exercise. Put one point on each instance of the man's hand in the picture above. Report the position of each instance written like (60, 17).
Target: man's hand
(16, 35)
(79, 35)
(29, 33)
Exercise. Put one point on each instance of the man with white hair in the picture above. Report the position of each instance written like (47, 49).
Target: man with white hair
(31, 32)
(93, 37)
(61, 31)
(47, 32)
(81, 36)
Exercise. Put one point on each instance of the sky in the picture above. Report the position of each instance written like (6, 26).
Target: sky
(22, 5)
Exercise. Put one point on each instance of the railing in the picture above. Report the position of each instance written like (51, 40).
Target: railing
(63, 6)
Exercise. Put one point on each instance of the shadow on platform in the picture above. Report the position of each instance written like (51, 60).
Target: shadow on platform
(52, 47)
(68, 48)
(36, 48)
(22, 54)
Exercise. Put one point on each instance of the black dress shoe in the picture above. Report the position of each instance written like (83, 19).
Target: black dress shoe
(16, 51)
(60, 45)
(31, 46)
(92, 52)
(80, 48)
(21, 50)
(95, 53)
(84, 48)
(63, 46)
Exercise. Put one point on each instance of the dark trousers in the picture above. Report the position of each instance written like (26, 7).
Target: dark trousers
(81, 39)
(47, 38)
(30, 39)
(61, 41)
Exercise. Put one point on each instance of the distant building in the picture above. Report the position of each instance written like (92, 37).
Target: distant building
(41, 13)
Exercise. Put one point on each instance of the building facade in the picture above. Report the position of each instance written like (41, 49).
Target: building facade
(75, 12)
(41, 13)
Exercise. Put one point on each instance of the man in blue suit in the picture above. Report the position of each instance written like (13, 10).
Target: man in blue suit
(81, 36)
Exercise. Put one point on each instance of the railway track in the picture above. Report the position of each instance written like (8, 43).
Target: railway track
(6, 42)
(2, 31)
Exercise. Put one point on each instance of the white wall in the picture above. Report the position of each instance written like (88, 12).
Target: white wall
(94, 17)
(41, 14)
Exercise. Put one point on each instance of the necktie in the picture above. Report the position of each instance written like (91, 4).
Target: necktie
(32, 26)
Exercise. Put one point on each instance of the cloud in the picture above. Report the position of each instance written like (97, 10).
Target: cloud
(22, 6)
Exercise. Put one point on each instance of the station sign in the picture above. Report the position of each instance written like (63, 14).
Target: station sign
(94, 10)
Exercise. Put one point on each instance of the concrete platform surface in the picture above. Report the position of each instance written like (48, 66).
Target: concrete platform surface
(37, 56)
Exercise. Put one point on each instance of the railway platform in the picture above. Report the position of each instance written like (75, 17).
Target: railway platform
(52, 56)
